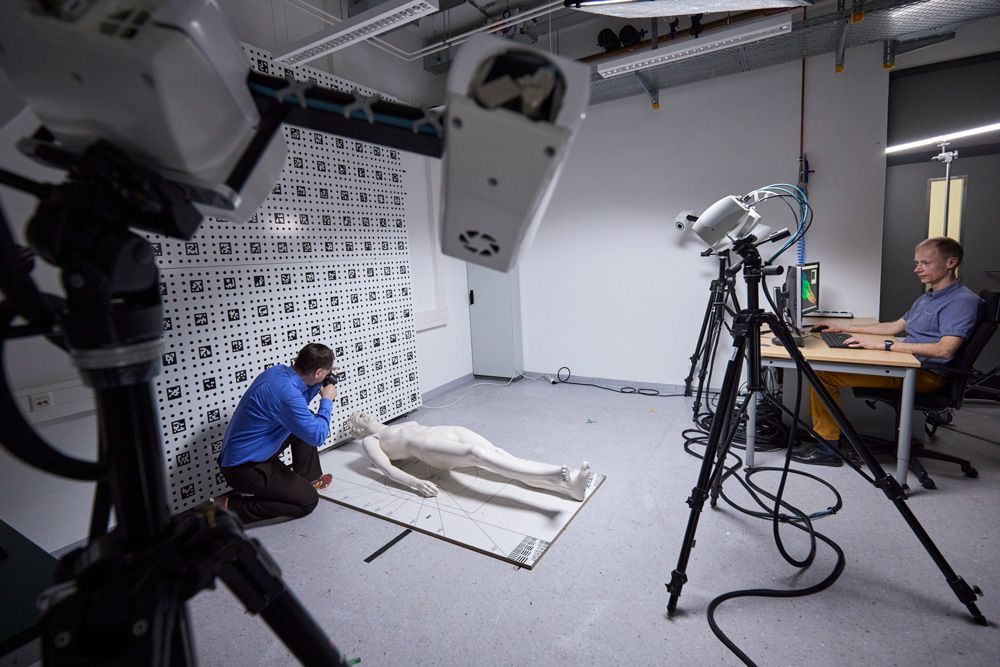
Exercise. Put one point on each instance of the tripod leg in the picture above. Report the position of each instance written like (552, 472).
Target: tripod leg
(720, 469)
(255, 579)
(720, 427)
(699, 348)
(707, 359)
(893, 490)
(182, 651)
(100, 514)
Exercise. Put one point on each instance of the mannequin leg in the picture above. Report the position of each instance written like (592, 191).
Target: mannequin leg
(533, 473)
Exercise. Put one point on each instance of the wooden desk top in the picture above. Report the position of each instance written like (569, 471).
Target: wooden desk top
(816, 349)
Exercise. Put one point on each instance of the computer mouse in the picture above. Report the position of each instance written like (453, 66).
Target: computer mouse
(820, 327)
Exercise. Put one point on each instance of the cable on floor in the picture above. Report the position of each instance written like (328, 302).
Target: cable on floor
(772, 434)
(518, 376)
(478, 384)
(778, 511)
(619, 390)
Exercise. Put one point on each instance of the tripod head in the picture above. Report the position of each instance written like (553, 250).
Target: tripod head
(108, 272)
(110, 319)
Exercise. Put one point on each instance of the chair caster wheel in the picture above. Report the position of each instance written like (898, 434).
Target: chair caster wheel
(970, 471)
(928, 483)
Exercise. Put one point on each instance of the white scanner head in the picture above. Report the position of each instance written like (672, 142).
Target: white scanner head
(512, 112)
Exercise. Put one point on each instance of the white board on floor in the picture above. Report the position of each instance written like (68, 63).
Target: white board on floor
(474, 508)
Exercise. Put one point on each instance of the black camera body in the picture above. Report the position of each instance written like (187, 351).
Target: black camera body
(330, 379)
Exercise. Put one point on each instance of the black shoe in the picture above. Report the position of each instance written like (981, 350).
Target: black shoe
(851, 455)
(815, 456)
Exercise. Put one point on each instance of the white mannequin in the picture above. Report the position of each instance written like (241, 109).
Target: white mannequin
(447, 447)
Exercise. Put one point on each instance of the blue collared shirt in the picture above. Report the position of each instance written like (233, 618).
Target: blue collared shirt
(275, 405)
(952, 311)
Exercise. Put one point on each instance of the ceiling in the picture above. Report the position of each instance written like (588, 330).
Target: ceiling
(908, 23)
(826, 29)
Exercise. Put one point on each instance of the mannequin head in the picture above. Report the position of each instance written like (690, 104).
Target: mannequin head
(362, 424)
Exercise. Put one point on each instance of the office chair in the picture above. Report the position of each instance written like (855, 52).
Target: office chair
(937, 405)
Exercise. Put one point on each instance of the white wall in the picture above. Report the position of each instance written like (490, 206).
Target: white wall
(844, 139)
(611, 290)
(441, 287)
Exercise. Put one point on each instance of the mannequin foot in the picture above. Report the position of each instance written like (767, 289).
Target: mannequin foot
(578, 487)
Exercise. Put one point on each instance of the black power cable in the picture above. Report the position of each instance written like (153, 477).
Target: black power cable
(779, 512)
(619, 390)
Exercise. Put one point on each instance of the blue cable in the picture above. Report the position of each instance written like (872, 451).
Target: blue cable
(804, 213)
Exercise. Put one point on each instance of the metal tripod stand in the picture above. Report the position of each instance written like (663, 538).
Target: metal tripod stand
(120, 600)
(721, 294)
(746, 343)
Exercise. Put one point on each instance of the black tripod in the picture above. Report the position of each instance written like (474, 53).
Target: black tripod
(121, 599)
(721, 293)
(746, 343)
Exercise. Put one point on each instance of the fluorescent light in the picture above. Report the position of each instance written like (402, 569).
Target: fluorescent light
(739, 34)
(944, 137)
(651, 8)
(386, 16)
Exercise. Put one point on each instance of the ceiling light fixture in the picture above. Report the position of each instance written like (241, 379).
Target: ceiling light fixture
(649, 8)
(738, 35)
(995, 127)
(383, 17)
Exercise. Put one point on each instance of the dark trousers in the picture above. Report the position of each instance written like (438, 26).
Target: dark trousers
(272, 489)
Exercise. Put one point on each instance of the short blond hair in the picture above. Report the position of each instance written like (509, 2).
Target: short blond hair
(947, 247)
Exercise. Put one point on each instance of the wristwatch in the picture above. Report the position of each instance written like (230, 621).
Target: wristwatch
(888, 345)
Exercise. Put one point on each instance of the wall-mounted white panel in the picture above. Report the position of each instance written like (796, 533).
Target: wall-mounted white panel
(324, 259)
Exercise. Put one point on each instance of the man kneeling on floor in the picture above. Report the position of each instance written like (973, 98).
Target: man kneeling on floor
(272, 415)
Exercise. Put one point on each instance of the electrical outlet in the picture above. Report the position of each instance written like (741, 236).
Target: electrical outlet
(41, 401)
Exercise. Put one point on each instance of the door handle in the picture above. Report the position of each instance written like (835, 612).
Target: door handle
(472, 297)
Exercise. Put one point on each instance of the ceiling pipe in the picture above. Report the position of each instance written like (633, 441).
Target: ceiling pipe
(648, 44)
(496, 26)
(443, 44)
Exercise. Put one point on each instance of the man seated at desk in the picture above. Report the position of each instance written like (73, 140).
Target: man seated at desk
(937, 324)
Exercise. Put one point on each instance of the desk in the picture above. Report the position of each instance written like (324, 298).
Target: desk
(840, 360)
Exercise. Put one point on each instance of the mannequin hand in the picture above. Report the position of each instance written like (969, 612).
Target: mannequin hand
(425, 488)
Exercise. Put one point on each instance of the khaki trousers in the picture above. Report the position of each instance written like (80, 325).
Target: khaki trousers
(823, 422)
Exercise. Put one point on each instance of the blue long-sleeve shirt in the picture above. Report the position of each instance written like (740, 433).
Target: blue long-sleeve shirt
(275, 405)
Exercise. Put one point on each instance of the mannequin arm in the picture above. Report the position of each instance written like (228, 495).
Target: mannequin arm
(378, 458)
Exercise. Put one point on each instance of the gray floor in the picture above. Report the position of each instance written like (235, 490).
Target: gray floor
(598, 596)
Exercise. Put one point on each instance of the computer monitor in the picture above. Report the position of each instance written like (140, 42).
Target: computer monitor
(802, 292)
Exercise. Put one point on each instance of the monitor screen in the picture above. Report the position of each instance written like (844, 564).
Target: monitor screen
(801, 293)
(809, 287)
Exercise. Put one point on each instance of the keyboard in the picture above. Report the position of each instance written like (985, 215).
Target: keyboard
(835, 339)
